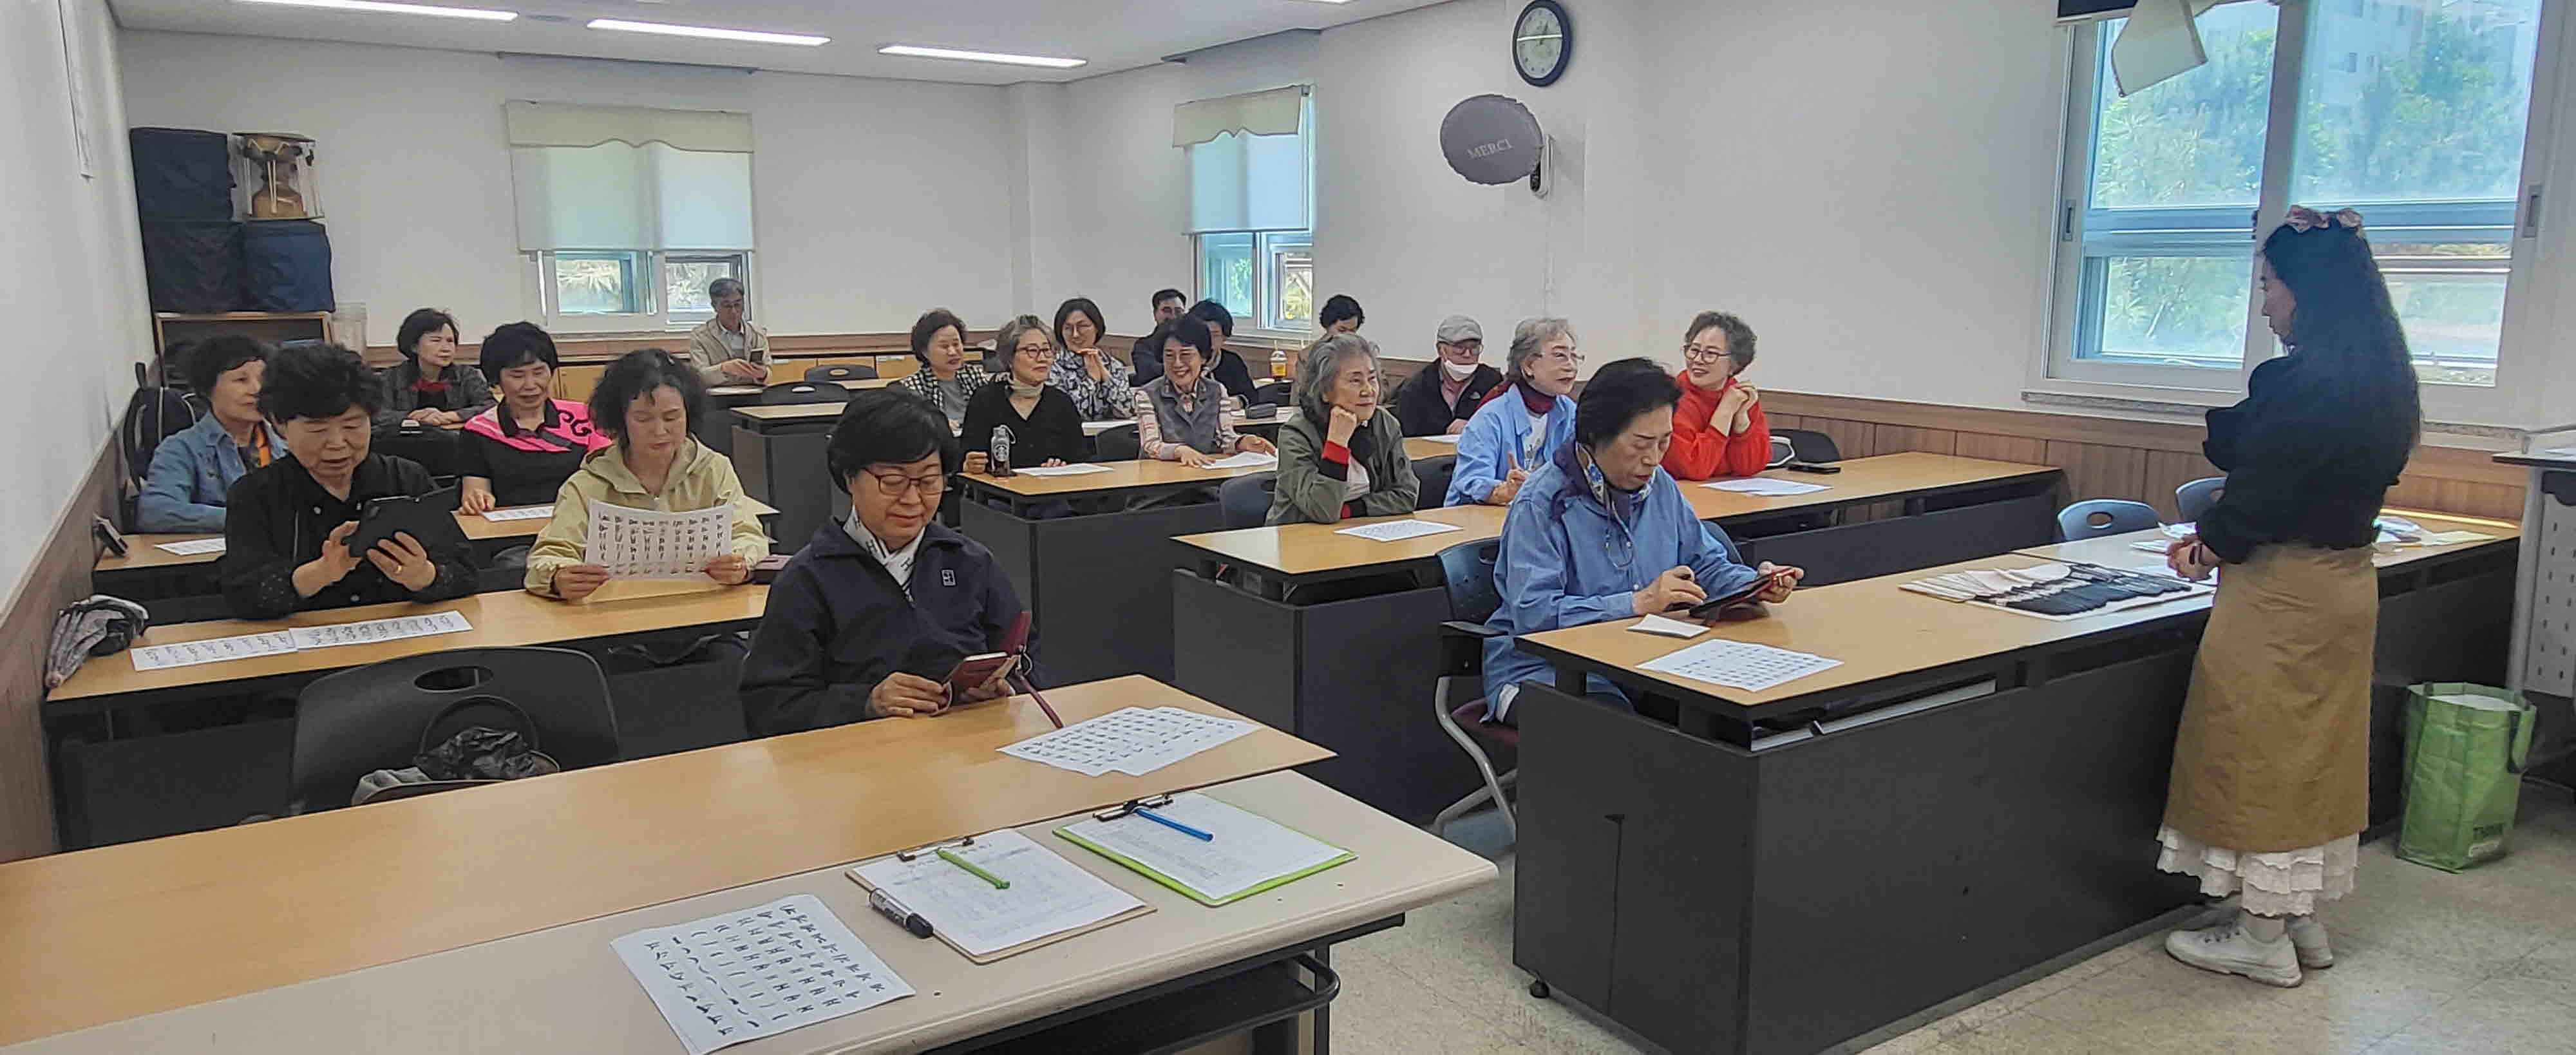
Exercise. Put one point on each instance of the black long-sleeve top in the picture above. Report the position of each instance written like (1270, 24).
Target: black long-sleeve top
(2307, 462)
(1053, 428)
(278, 516)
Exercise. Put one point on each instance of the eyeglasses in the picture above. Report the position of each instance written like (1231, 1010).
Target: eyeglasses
(1575, 358)
(897, 485)
(1701, 353)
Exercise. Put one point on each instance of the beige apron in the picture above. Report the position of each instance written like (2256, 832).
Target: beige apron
(2274, 749)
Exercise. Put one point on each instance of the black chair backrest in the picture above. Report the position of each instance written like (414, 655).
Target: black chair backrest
(1274, 392)
(1434, 475)
(2096, 517)
(805, 392)
(1117, 445)
(1245, 500)
(1812, 446)
(1467, 569)
(840, 372)
(357, 721)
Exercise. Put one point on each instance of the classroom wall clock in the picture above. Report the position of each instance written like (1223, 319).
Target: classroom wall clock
(1542, 42)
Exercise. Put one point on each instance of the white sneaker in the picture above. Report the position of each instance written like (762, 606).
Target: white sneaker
(2309, 937)
(2228, 949)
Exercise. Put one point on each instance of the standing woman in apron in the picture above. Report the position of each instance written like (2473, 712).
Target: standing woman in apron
(2271, 783)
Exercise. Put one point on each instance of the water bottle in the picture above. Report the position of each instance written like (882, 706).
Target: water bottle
(1001, 456)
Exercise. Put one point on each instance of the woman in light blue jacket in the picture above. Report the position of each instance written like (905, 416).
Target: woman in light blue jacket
(194, 469)
(1525, 422)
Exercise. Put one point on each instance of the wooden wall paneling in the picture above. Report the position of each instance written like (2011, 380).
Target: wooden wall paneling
(2494, 501)
(1895, 439)
(57, 576)
(574, 382)
(1855, 439)
(2099, 471)
(2024, 449)
(1784, 421)
(2167, 470)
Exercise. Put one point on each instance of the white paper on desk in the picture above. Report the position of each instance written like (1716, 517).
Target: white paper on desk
(651, 544)
(1740, 664)
(1765, 487)
(192, 547)
(1248, 850)
(213, 650)
(372, 631)
(1443, 438)
(1245, 460)
(2453, 538)
(2183, 530)
(1656, 624)
(521, 513)
(737, 976)
(1398, 530)
(1130, 740)
(1075, 469)
(1048, 894)
(2148, 545)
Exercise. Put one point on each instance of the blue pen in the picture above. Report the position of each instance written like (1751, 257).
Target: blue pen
(1174, 825)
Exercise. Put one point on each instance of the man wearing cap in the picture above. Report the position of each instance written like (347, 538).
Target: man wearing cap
(1439, 398)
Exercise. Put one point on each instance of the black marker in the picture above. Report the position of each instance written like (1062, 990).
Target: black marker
(910, 921)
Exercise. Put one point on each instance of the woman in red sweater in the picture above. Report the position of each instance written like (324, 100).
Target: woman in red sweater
(1719, 429)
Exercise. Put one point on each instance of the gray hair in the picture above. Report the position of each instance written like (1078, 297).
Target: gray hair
(724, 287)
(1321, 362)
(1007, 342)
(1531, 335)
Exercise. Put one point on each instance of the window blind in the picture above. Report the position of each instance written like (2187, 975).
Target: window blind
(1250, 166)
(612, 178)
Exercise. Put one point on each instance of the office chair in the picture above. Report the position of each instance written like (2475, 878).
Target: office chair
(377, 716)
(1809, 445)
(841, 372)
(2096, 517)
(1117, 445)
(1434, 474)
(2194, 499)
(804, 392)
(1783, 451)
(1244, 501)
(1271, 392)
(1467, 569)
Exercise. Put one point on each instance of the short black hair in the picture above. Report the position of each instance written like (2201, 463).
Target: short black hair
(1340, 306)
(929, 325)
(888, 426)
(635, 375)
(1162, 295)
(317, 381)
(516, 344)
(1617, 393)
(1189, 330)
(1066, 310)
(421, 323)
(214, 357)
(1213, 314)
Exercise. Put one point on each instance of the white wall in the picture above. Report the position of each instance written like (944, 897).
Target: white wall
(71, 278)
(872, 199)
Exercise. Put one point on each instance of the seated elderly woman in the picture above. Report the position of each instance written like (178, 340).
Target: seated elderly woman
(429, 387)
(287, 530)
(947, 380)
(868, 619)
(1522, 424)
(1180, 416)
(1044, 426)
(1340, 454)
(194, 469)
(643, 403)
(521, 451)
(1602, 532)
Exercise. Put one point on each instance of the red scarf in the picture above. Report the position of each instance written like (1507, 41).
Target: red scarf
(1539, 403)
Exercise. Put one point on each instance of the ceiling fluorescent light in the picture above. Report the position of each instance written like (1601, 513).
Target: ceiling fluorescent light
(708, 33)
(980, 56)
(396, 9)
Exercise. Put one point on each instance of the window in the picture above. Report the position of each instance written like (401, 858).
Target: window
(2418, 120)
(1251, 194)
(622, 237)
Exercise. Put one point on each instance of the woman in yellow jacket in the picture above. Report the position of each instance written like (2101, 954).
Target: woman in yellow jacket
(643, 401)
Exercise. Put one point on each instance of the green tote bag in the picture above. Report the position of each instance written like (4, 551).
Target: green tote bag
(2465, 749)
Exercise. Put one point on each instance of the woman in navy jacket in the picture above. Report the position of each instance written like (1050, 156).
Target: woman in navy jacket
(868, 618)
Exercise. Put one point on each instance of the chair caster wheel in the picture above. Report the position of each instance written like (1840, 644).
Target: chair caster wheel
(1539, 989)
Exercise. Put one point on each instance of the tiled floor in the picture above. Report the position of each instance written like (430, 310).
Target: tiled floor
(2483, 961)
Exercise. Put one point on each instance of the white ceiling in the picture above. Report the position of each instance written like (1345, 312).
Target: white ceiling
(1113, 34)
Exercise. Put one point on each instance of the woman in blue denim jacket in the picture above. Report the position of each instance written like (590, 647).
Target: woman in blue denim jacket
(194, 469)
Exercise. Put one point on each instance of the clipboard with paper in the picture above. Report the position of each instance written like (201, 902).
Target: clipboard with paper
(997, 895)
(1243, 854)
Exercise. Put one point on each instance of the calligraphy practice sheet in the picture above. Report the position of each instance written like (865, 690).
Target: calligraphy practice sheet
(1075, 469)
(521, 513)
(1765, 487)
(1398, 530)
(1245, 460)
(1047, 895)
(213, 650)
(370, 631)
(193, 546)
(742, 975)
(1130, 740)
(279, 642)
(651, 544)
(1740, 665)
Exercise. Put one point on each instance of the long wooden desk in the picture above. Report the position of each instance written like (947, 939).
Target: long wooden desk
(1971, 793)
(119, 775)
(1337, 638)
(111, 934)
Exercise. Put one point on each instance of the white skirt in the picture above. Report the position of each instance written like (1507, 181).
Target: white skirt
(2287, 883)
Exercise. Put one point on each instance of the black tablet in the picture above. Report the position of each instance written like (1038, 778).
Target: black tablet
(421, 516)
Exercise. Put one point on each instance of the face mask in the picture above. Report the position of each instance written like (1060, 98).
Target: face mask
(1457, 371)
